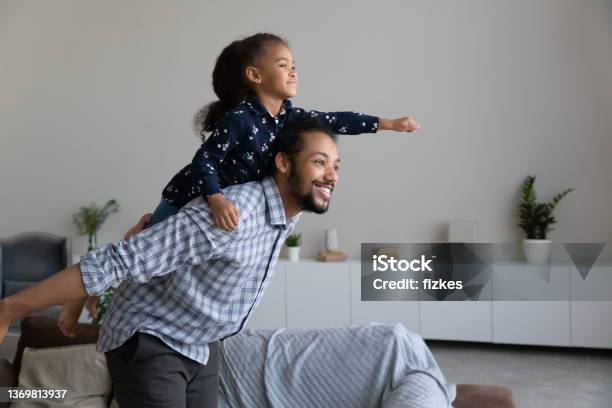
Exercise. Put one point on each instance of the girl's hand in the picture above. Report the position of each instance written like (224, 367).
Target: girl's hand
(225, 214)
(405, 124)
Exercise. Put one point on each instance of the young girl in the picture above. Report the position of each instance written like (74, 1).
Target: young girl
(254, 79)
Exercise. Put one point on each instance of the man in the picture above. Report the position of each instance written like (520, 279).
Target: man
(185, 284)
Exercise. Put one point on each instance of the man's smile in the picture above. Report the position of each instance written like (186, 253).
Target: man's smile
(324, 189)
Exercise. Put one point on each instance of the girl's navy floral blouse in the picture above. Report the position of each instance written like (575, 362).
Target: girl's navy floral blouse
(237, 149)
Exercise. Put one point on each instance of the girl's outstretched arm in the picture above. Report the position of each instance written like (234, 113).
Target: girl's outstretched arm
(354, 123)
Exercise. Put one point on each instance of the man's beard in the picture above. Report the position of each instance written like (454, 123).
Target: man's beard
(306, 201)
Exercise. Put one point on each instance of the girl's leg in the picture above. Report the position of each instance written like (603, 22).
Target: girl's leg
(163, 211)
(57, 289)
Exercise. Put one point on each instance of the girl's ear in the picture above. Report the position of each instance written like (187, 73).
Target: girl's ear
(252, 74)
(282, 162)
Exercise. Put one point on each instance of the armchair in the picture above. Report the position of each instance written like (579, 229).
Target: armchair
(31, 257)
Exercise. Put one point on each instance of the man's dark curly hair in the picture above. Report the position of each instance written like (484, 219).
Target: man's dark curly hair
(290, 139)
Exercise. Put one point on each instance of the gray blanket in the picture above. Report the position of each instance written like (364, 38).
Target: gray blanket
(361, 366)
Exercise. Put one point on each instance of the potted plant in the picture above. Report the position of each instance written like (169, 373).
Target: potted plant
(293, 246)
(88, 221)
(536, 219)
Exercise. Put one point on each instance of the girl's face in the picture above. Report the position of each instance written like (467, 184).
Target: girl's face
(275, 72)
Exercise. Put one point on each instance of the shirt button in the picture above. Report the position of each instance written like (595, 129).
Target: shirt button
(276, 120)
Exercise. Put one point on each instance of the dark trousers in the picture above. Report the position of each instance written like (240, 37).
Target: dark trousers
(146, 373)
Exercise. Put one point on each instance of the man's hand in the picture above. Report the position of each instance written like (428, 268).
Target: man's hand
(144, 220)
(91, 305)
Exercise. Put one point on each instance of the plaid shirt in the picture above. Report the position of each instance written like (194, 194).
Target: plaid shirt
(186, 281)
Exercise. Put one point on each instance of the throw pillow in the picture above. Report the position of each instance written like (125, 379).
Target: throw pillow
(79, 369)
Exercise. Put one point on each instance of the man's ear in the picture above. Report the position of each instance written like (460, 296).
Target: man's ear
(282, 163)
(252, 74)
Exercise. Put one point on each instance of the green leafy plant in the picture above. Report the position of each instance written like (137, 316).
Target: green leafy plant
(536, 218)
(88, 221)
(293, 240)
(103, 304)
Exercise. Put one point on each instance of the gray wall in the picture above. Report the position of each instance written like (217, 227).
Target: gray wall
(96, 100)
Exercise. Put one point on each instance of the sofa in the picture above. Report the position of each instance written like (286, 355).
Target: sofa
(41, 332)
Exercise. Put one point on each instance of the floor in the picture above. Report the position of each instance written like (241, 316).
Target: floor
(539, 377)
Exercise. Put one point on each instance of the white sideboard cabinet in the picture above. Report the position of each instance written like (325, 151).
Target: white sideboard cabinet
(309, 294)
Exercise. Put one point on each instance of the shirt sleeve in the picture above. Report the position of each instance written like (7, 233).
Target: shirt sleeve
(206, 162)
(348, 123)
(187, 237)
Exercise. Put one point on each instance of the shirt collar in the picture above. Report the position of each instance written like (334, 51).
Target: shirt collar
(256, 106)
(276, 210)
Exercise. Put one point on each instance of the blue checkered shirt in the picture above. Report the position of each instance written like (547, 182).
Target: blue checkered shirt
(186, 281)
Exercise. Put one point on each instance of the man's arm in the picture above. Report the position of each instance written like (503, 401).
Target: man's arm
(189, 237)
(59, 288)
(72, 283)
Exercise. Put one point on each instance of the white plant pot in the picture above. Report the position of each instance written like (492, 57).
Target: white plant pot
(537, 251)
(294, 253)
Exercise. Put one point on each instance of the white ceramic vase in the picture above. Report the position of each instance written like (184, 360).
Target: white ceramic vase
(294, 253)
(331, 240)
(537, 251)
